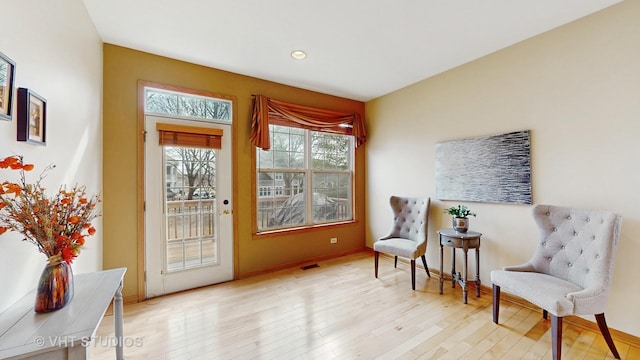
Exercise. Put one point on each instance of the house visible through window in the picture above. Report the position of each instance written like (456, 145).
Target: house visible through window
(311, 175)
(264, 191)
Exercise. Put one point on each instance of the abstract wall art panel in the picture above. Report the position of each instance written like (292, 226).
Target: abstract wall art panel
(494, 169)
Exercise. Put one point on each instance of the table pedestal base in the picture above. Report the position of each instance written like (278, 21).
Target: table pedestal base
(464, 241)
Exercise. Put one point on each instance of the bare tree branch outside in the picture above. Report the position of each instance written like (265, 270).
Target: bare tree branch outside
(164, 102)
(195, 167)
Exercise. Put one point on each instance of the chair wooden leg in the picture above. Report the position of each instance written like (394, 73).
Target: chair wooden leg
(424, 262)
(496, 302)
(395, 262)
(377, 255)
(413, 274)
(604, 329)
(556, 336)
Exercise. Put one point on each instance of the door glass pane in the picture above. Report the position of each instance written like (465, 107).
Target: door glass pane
(190, 208)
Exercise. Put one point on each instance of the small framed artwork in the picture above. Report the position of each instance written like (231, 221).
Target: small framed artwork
(32, 117)
(7, 75)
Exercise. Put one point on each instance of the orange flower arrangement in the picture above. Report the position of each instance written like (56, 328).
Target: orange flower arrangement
(58, 225)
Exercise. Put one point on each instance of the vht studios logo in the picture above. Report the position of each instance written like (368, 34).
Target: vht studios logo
(87, 341)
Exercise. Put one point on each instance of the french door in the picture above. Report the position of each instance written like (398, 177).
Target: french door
(188, 211)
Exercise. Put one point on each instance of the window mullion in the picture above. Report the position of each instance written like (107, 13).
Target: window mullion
(308, 187)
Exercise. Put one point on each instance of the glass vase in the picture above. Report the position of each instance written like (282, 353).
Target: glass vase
(55, 288)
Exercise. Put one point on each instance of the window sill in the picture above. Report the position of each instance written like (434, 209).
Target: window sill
(302, 229)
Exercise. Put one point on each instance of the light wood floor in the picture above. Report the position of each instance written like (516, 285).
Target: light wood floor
(339, 311)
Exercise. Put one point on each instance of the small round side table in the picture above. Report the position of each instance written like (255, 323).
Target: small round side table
(464, 241)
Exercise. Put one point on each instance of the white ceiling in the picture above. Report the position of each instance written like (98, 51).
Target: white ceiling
(356, 49)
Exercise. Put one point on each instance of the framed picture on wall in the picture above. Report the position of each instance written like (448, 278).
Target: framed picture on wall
(7, 75)
(32, 117)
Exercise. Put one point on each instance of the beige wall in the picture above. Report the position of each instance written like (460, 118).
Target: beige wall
(577, 88)
(122, 69)
(58, 55)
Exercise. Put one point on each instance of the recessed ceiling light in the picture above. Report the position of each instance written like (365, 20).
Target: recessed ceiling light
(298, 54)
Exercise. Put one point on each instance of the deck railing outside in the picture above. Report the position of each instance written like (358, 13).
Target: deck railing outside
(191, 232)
(268, 206)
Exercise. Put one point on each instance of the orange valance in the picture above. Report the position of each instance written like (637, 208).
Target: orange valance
(190, 136)
(269, 111)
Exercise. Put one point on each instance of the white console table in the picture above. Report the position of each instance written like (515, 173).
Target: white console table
(64, 333)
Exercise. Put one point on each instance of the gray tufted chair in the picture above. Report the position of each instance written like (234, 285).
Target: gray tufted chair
(570, 271)
(408, 235)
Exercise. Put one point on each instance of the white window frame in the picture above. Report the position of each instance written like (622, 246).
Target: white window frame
(308, 186)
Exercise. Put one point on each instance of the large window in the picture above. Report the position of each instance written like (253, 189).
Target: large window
(312, 176)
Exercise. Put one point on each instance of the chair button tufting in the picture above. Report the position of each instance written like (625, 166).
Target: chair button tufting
(593, 237)
(544, 243)
(549, 258)
(597, 256)
(570, 264)
(547, 213)
(562, 247)
(588, 219)
(555, 229)
(575, 233)
(569, 217)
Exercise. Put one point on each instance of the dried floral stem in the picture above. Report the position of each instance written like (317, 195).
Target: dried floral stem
(58, 225)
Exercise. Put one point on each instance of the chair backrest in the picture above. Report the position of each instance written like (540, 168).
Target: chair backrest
(576, 245)
(410, 218)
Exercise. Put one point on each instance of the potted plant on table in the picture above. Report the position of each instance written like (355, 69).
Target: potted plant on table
(459, 217)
